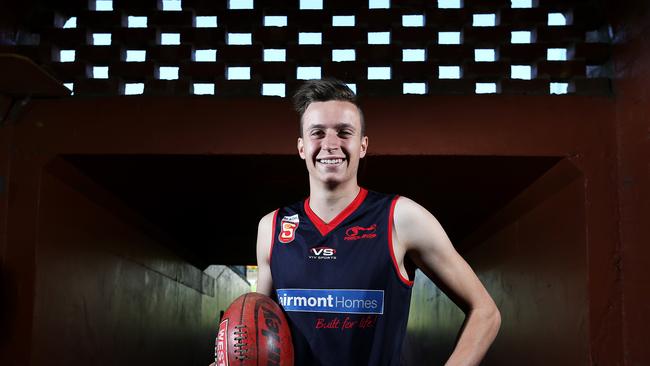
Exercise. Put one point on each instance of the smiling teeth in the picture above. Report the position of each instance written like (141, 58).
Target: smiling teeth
(331, 161)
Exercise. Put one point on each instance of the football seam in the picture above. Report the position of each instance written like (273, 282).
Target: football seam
(239, 343)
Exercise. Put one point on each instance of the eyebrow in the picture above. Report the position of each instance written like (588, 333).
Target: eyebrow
(337, 126)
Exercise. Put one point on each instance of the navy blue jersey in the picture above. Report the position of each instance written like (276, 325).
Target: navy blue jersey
(339, 283)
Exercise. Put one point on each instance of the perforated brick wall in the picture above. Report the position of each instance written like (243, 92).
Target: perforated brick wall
(379, 47)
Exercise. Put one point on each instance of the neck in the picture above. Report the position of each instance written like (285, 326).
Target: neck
(328, 201)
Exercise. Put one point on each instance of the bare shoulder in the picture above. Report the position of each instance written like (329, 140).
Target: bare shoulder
(266, 222)
(264, 242)
(415, 226)
(406, 208)
(264, 235)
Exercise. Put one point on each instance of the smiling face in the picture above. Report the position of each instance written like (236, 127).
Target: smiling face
(331, 142)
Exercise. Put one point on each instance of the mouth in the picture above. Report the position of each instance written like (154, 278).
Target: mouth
(331, 161)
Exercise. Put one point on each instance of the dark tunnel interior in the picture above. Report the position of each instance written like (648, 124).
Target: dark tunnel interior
(131, 187)
(210, 205)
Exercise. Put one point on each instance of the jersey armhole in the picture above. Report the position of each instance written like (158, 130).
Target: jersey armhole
(275, 216)
(391, 250)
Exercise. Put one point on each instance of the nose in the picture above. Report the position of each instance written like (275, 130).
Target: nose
(331, 141)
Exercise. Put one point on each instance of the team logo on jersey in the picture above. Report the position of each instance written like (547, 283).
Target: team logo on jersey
(288, 227)
(221, 345)
(360, 232)
(322, 253)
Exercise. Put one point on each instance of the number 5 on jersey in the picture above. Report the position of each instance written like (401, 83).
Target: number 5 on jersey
(288, 227)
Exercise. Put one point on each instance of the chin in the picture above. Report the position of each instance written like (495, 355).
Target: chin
(332, 184)
(335, 180)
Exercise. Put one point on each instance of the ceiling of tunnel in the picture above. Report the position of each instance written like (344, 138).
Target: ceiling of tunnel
(210, 205)
(404, 47)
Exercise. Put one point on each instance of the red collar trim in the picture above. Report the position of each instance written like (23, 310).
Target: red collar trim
(324, 227)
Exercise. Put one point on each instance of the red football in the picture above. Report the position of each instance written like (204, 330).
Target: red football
(253, 331)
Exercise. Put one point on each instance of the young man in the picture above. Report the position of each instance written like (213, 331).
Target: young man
(341, 263)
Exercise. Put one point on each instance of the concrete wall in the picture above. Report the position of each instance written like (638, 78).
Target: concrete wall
(632, 55)
(580, 128)
(109, 294)
(533, 260)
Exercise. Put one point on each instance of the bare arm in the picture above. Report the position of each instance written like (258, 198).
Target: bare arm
(420, 236)
(264, 240)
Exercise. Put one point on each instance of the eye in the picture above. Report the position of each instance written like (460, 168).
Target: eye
(346, 133)
(317, 133)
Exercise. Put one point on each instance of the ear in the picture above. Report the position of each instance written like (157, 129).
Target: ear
(301, 148)
(364, 146)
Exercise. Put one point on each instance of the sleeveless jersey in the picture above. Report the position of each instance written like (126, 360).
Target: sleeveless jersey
(339, 284)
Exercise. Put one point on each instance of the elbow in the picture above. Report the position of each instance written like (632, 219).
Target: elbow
(491, 318)
(497, 320)
(494, 319)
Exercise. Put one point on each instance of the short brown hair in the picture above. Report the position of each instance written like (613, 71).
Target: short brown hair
(324, 90)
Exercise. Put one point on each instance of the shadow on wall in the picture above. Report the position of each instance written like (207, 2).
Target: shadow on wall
(532, 257)
(112, 293)
(7, 293)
